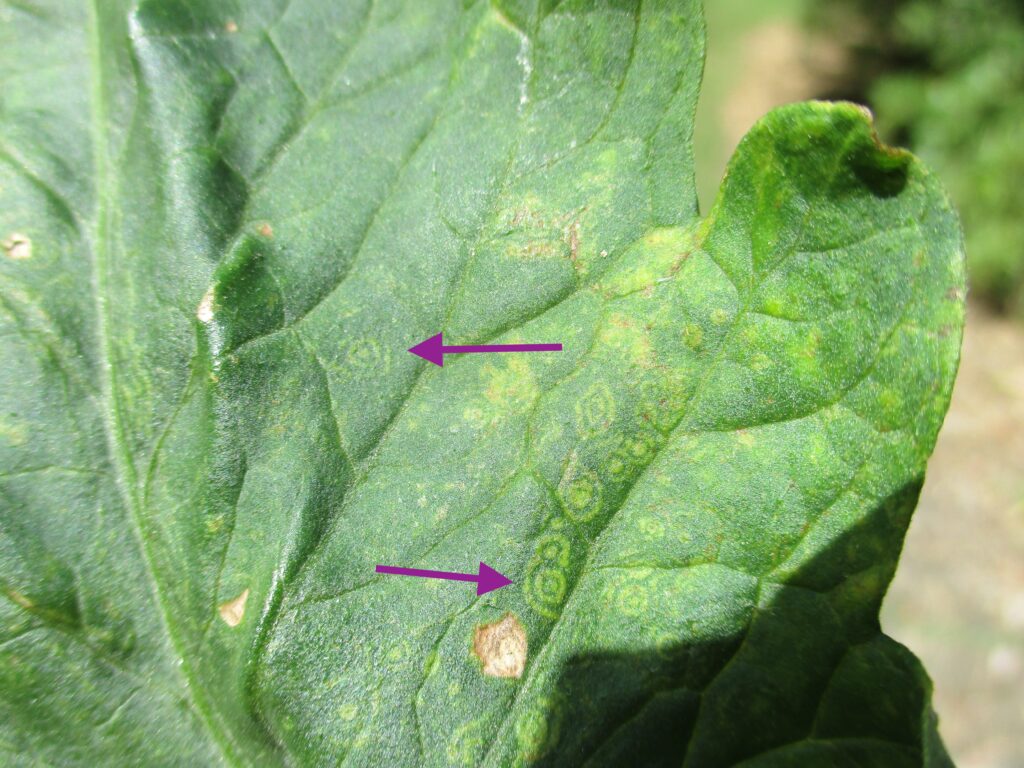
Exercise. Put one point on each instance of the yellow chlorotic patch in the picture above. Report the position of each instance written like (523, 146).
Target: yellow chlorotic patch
(889, 400)
(546, 577)
(538, 729)
(651, 528)
(509, 389)
(595, 411)
(760, 362)
(367, 354)
(624, 334)
(546, 586)
(554, 546)
(20, 599)
(693, 335)
(233, 610)
(633, 599)
(580, 490)
(13, 432)
(501, 647)
(467, 745)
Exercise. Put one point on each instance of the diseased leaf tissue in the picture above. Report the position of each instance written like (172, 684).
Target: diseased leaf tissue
(223, 224)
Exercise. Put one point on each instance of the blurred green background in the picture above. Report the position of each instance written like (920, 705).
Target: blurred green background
(945, 78)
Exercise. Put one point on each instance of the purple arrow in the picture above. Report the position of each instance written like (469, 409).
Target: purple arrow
(487, 580)
(434, 349)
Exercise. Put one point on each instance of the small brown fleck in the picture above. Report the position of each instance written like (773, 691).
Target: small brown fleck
(233, 610)
(501, 647)
(679, 261)
(230, 27)
(574, 242)
(266, 230)
(18, 246)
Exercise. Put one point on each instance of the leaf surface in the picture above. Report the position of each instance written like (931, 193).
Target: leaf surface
(225, 223)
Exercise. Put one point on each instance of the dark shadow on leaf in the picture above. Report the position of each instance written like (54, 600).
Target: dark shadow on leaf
(884, 170)
(810, 681)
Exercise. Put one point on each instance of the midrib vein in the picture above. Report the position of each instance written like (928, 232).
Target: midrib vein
(124, 472)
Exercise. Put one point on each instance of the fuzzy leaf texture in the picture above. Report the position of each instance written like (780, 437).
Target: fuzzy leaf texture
(224, 223)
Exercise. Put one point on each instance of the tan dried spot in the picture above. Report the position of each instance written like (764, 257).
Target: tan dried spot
(233, 610)
(266, 230)
(230, 27)
(501, 647)
(18, 246)
(205, 311)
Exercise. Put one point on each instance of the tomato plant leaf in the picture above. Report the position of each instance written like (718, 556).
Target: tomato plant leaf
(224, 224)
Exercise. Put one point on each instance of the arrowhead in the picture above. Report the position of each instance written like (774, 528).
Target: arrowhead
(432, 350)
(489, 580)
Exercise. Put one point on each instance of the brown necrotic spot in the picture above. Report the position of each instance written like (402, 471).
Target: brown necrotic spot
(501, 647)
(18, 246)
(233, 610)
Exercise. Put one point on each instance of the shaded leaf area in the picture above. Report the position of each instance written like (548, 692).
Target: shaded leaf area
(643, 708)
(241, 215)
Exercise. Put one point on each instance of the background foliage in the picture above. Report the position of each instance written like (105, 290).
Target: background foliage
(946, 77)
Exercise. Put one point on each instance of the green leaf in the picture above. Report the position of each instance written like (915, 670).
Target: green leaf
(225, 222)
